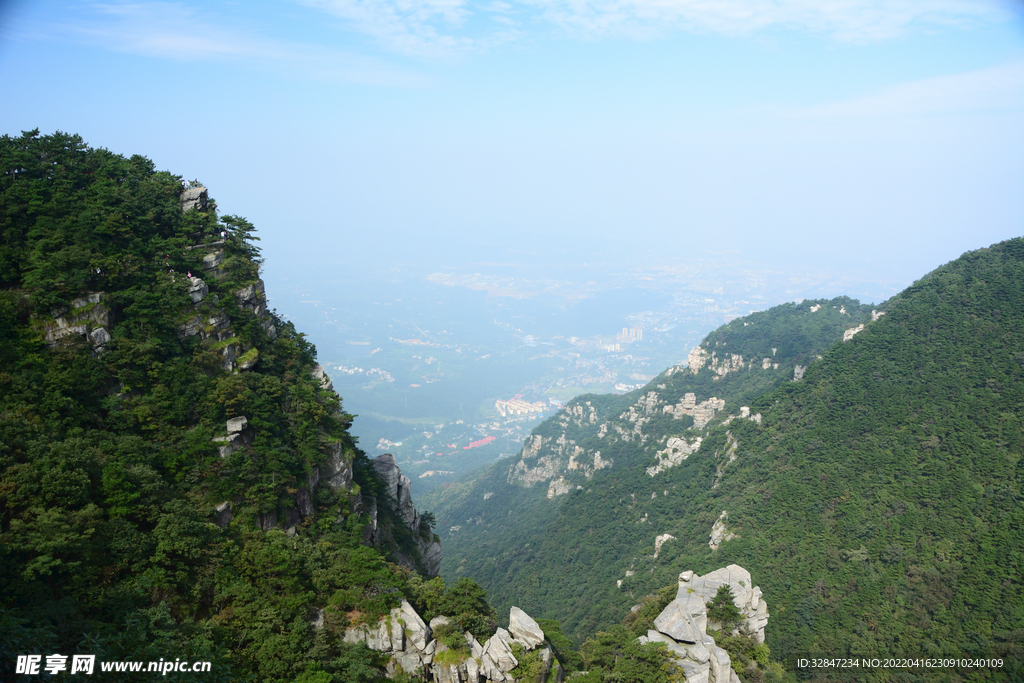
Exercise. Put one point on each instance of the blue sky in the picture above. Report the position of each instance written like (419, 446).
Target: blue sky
(886, 136)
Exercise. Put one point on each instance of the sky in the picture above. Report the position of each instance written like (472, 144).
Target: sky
(885, 136)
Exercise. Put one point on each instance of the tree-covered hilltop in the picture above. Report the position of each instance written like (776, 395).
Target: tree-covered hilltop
(177, 478)
(878, 498)
(497, 523)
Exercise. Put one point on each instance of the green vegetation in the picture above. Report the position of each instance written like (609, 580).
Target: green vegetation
(878, 503)
(723, 610)
(561, 558)
(109, 477)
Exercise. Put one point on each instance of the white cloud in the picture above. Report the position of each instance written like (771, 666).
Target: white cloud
(432, 27)
(175, 31)
(844, 20)
(415, 27)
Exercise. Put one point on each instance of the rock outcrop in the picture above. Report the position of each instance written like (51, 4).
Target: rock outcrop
(702, 412)
(410, 642)
(682, 626)
(194, 198)
(676, 451)
(399, 490)
(88, 316)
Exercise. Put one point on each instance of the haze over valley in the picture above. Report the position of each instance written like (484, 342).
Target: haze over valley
(429, 361)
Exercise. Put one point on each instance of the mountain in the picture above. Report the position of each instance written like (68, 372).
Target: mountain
(622, 437)
(874, 493)
(177, 477)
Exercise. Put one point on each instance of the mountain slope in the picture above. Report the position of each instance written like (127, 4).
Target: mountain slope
(877, 501)
(599, 444)
(177, 479)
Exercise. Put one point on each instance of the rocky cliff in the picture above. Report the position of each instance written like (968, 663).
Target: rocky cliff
(412, 649)
(683, 625)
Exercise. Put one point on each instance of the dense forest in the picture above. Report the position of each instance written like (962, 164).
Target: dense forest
(131, 332)
(876, 498)
(509, 535)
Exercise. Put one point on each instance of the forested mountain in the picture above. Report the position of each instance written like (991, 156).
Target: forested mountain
(494, 523)
(177, 479)
(875, 494)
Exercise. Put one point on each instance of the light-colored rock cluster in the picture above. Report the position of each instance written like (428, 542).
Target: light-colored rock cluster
(702, 412)
(236, 438)
(410, 643)
(746, 596)
(701, 358)
(676, 451)
(88, 316)
(682, 625)
(561, 456)
(660, 541)
(720, 532)
(745, 414)
(558, 487)
(848, 334)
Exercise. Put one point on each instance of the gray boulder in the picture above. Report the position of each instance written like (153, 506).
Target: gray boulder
(197, 289)
(524, 629)
(194, 198)
(684, 619)
(418, 631)
(325, 381)
(498, 649)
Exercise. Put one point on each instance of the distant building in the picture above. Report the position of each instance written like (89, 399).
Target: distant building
(631, 334)
(518, 406)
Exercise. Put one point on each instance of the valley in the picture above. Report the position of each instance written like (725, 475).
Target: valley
(429, 361)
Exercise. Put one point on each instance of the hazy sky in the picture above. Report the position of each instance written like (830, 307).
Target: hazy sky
(876, 134)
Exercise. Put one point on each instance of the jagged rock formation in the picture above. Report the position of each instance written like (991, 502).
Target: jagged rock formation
(719, 532)
(194, 198)
(399, 489)
(409, 641)
(676, 451)
(88, 316)
(702, 412)
(683, 624)
(848, 334)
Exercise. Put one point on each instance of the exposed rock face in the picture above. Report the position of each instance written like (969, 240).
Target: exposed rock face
(683, 624)
(235, 439)
(676, 451)
(325, 381)
(194, 198)
(848, 334)
(702, 412)
(660, 541)
(746, 596)
(88, 316)
(557, 487)
(399, 489)
(524, 628)
(410, 644)
(701, 358)
(798, 372)
(719, 532)
(197, 289)
(336, 470)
